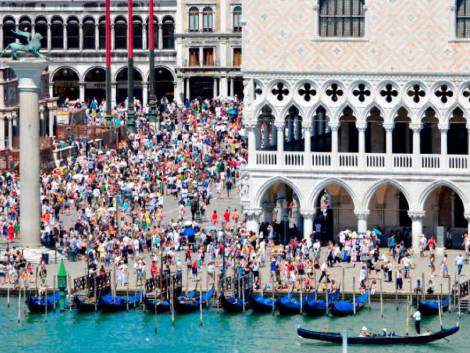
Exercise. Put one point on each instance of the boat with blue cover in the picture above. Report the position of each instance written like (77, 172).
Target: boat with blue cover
(317, 307)
(431, 307)
(289, 305)
(262, 304)
(160, 305)
(233, 305)
(110, 304)
(85, 304)
(187, 304)
(37, 304)
(346, 307)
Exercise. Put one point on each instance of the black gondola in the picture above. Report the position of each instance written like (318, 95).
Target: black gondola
(431, 307)
(163, 306)
(318, 307)
(233, 305)
(288, 305)
(85, 305)
(334, 337)
(38, 304)
(188, 305)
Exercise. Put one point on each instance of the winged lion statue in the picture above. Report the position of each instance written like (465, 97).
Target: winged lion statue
(33, 45)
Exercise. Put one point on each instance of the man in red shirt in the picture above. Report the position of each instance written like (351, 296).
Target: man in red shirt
(215, 218)
(227, 216)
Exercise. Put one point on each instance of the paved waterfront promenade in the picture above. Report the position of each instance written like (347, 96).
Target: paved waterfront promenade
(351, 271)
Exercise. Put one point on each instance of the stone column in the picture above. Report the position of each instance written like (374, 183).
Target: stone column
(251, 145)
(416, 227)
(334, 145)
(308, 225)
(444, 157)
(145, 45)
(252, 220)
(179, 96)
(49, 39)
(80, 36)
(51, 122)
(188, 89)
(201, 56)
(113, 94)
(232, 90)
(160, 36)
(29, 82)
(1, 36)
(81, 94)
(64, 33)
(97, 35)
(307, 146)
(362, 145)
(144, 93)
(362, 221)
(388, 146)
(416, 147)
(215, 87)
(223, 87)
(10, 132)
(2, 133)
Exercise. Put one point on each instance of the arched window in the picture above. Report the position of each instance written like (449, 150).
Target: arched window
(137, 29)
(155, 32)
(193, 19)
(237, 19)
(463, 19)
(41, 28)
(57, 33)
(342, 18)
(72, 33)
(88, 33)
(25, 25)
(102, 32)
(168, 29)
(8, 27)
(120, 33)
(207, 19)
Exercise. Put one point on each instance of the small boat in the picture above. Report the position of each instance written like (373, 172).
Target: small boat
(345, 307)
(262, 304)
(334, 337)
(110, 304)
(186, 304)
(431, 307)
(288, 305)
(38, 304)
(162, 306)
(319, 307)
(85, 304)
(233, 305)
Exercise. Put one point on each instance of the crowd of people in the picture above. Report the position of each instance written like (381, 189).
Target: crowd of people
(113, 200)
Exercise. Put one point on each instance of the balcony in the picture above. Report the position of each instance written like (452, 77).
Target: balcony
(370, 162)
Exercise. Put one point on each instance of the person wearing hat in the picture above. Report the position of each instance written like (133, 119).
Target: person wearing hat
(417, 317)
(364, 332)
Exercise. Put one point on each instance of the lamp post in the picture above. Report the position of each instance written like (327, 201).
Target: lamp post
(108, 114)
(130, 70)
(152, 99)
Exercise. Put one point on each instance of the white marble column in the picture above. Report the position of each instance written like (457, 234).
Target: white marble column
(201, 56)
(81, 91)
(307, 146)
(416, 147)
(416, 227)
(308, 225)
(144, 93)
(49, 39)
(97, 36)
(232, 91)
(362, 221)
(444, 157)
(65, 36)
(215, 87)
(80, 36)
(2, 133)
(223, 87)
(145, 45)
(362, 145)
(188, 89)
(388, 146)
(160, 36)
(251, 145)
(113, 94)
(51, 122)
(10, 132)
(334, 145)
(29, 82)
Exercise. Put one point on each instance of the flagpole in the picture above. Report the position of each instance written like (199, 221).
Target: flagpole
(130, 70)
(152, 103)
(108, 61)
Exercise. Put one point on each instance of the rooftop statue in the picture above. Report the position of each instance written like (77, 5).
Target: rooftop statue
(33, 45)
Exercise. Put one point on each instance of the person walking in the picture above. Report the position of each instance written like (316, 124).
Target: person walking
(459, 261)
(417, 317)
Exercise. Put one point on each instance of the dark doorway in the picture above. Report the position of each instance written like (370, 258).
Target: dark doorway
(202, 87)
(164, 83)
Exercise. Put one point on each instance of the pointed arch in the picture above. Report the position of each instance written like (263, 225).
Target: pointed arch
(288, 106)
(279, 179)
(386, 182)
(437, 184)
(329, 181)
(345, 106)
(259, 109)
(422, 113)
(451, 110)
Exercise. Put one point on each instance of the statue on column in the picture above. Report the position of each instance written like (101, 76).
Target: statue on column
(245, 188)
(33, 45)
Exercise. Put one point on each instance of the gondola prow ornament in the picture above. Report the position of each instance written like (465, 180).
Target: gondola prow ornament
(33, 46)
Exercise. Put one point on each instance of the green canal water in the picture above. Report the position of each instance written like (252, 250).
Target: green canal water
(134, 331)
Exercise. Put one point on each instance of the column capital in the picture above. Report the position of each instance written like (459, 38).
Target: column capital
(416, 127)
(361, 127)
(333, 127)
(388, 127)
(252, 212)
(416, 215)
(307, 213)
(443, 127)
(29, 72)
(279, 125)
(361, 214)
(467, 216)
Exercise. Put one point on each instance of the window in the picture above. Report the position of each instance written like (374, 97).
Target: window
(193, 56)
(168, 34)
(193, 19)
(137, 30)
(341, 18)
(8, 27)
(24, 25)
(72, 34)
(207, 19)
(208, 56)
(102, 33)
(88, 33)
(463, 19)
(155, 32)
(237, 19)
(57, 33)
(120, 33)
(237, 57)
